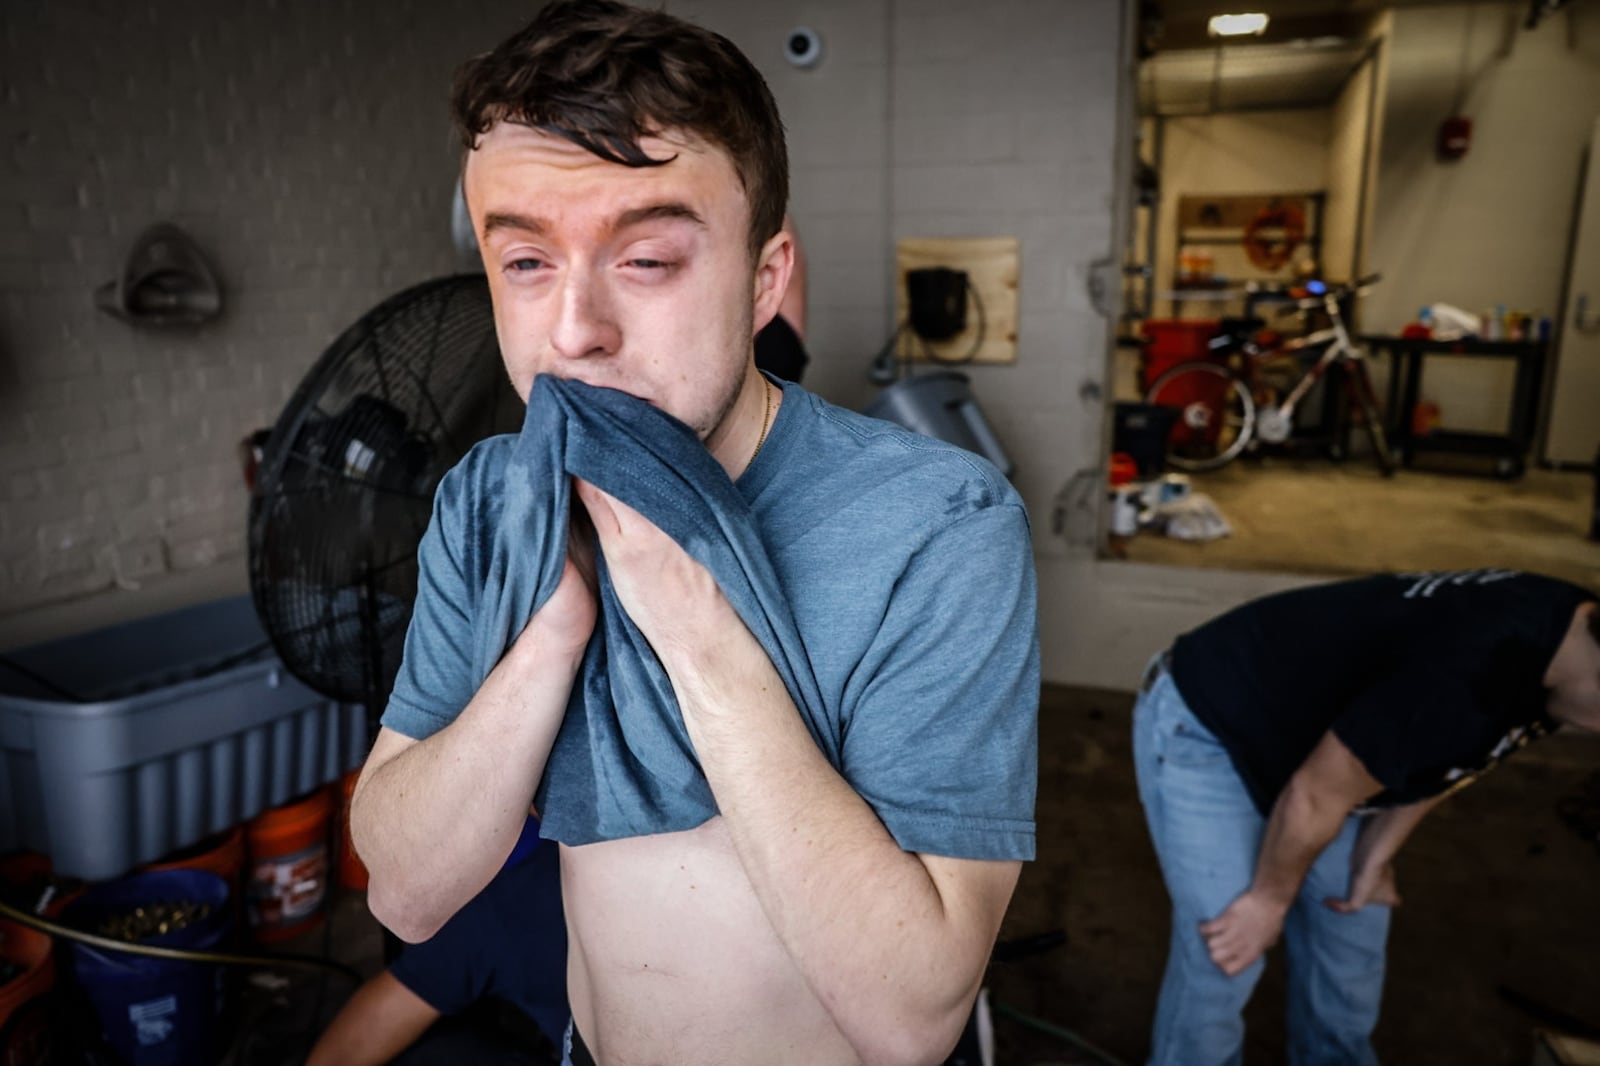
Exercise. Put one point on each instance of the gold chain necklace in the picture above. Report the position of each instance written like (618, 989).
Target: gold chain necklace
(766, 423)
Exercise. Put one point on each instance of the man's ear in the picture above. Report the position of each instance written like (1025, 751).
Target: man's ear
(774, 265)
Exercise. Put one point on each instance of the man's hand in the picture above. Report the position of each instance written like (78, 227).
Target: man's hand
(565, 621)
(1242, 934)
(1370, 882)
(674, 601)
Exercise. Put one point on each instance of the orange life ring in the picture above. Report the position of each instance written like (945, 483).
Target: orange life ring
(1271, 253)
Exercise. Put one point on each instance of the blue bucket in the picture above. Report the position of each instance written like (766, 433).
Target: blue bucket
(155, 1012)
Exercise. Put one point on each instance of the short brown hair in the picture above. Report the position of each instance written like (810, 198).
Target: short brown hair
(603, 75)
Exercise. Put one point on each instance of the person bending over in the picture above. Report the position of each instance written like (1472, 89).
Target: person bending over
(626, 175)
(1287, 749)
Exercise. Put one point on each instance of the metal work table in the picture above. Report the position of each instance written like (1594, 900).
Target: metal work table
(1509, 450)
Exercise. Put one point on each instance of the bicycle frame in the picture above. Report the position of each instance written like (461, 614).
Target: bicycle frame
(1339, 347)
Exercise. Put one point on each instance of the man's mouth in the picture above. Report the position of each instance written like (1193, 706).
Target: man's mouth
(613, 386)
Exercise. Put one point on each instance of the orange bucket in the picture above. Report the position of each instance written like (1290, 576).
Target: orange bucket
(25, 1034)
(29, 874)
(352, 871)
(288, 867)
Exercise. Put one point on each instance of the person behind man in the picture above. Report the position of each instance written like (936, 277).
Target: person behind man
(508, 943)
(627, 177)
(1287, 749)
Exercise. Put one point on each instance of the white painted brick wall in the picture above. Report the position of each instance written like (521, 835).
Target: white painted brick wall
(306, 148)
(949, 118)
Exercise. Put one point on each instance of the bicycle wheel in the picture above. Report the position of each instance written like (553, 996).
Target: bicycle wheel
(1216, 416)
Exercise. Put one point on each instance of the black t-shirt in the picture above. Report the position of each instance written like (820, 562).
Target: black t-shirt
(1429, 679)
(508, 942)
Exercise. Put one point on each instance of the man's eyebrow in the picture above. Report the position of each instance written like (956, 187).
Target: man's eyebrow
(511, 220)
(538, 227)
(652, 212)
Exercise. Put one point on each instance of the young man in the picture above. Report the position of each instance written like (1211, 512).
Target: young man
(627, 178)
(1287, 749)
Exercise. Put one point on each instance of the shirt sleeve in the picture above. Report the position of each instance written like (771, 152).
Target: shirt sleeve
(434, 681)
(943, 740)
(1411, 731)
(444, 972)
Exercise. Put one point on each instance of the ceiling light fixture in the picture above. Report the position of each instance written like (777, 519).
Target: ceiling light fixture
(1243, 25)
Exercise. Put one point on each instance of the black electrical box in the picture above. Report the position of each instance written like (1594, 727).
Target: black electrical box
(937, 297)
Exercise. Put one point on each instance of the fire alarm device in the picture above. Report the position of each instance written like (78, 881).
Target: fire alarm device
(1455, 137)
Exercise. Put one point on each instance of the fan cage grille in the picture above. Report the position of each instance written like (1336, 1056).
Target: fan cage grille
(348, 476)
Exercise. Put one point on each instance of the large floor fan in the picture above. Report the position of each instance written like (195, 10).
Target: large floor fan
(345, 485)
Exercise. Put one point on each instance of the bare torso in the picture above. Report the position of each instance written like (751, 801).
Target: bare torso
(672, 960)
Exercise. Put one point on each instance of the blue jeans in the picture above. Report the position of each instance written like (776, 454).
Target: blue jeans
(1207, 833)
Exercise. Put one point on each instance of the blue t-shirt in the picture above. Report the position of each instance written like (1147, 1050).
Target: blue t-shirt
(908, 569)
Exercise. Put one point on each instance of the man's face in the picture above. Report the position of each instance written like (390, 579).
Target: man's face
(637, 279)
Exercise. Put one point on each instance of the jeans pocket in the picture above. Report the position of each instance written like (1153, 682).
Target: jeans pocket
(1188, 745)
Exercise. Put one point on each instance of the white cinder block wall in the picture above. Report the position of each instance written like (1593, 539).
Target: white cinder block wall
(947, 119)
(1494, 227)
(306, 148)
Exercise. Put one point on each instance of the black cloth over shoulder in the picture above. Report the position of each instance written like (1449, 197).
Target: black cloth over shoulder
(779, 350)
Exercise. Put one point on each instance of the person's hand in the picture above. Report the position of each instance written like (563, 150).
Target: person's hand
(1240, 935)
(674, 600)
(1370, 882)
(565, 622)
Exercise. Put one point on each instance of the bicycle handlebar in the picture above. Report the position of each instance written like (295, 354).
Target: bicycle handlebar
(1337, 293)
(1320, 289)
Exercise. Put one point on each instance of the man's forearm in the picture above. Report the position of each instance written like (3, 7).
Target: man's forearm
(435, 822)
(1302, 823)
(1386, 831)
(892, 953)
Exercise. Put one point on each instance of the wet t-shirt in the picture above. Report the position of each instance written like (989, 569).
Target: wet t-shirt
(907, 568)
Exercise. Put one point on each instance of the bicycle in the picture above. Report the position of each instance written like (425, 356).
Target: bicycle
(1226, 403)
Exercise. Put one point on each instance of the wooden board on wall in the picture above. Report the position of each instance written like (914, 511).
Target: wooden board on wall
(992, 267)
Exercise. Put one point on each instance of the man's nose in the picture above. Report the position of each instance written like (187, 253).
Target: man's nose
(585, 325)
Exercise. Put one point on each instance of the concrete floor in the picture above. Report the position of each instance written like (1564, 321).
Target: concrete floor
(1314, 516)
(1499, 893)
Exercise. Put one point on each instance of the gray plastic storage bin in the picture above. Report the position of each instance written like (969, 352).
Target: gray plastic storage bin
(181, 725)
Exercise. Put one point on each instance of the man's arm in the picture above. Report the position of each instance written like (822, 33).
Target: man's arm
(1371, 869)
(894, 944)
(1307, 816)
(381, 1020)
(435, 819)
